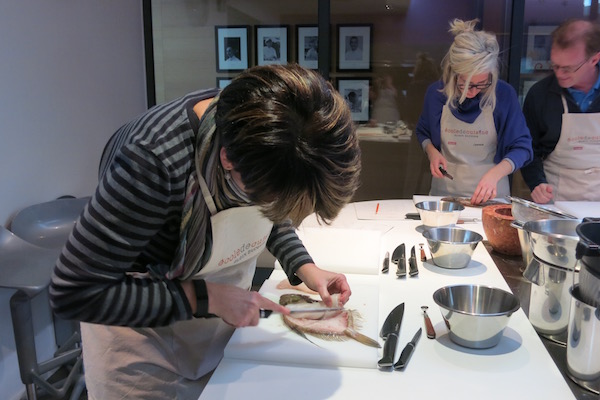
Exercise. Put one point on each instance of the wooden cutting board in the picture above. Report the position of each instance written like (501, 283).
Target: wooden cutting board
(273, 342)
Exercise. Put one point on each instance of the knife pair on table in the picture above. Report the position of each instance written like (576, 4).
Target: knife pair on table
(399, 258)
(389, 332)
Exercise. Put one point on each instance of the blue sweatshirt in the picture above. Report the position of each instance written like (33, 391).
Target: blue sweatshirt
(514, 140)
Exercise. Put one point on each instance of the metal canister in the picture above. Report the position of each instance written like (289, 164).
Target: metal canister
(583, 345)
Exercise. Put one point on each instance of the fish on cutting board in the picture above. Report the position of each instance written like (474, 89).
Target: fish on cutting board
(331, 325)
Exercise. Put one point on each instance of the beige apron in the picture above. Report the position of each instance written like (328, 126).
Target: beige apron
(168, 362)
(469, 149)
(573, 168)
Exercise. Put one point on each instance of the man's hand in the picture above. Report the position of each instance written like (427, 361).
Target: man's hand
(543, 193)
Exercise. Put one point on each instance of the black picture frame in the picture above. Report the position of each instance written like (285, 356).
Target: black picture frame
(232, 50)
(356, 92)
(354, 47)
(272, 44)
(307, 46)
(222, 82)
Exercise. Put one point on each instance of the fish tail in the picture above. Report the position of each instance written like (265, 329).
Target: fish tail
(359, 337)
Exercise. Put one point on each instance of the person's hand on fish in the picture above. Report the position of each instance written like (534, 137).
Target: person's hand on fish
(238, 307)
(542, 193)
(487, 188)
(436, 159)
(325, 283)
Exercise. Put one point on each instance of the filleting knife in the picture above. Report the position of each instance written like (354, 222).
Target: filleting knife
(389, 333)
(407, 351)
(263, 313)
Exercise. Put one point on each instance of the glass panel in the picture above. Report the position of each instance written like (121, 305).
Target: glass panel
(190, 51)
(384, 54)
(405, 44)
(540, 19)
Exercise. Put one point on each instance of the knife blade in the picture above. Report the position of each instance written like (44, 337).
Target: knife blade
(408, 350)
(412, 263)
(263, 313)
(386, 263)
(389, 333)
(399, 258)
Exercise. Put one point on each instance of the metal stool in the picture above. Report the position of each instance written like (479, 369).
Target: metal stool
(38, 234)
(27, 269)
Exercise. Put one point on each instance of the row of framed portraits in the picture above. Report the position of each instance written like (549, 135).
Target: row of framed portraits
(354, 90)
(272, 46)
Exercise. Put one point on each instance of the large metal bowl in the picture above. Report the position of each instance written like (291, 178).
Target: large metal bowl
(451, 247)
(554, 240)
(525, 211)
(476, 316)
(439, 213)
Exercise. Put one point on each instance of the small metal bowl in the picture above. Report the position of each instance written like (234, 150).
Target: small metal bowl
(451, 247)
(476, 316)
(554, 240)
(439, 213)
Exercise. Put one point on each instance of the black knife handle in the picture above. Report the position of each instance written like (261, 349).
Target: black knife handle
(405, 356)
(389, 351)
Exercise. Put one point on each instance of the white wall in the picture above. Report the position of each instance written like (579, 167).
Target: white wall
(71, 72)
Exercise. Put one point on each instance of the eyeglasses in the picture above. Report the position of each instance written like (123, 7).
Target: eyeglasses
(568, 69)
(479, 86)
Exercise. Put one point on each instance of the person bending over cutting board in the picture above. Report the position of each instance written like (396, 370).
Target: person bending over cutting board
(159, 265)
(563, 114)
(472, 125)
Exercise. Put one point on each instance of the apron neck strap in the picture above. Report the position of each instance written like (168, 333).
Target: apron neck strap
(564, 102)
(210, 203)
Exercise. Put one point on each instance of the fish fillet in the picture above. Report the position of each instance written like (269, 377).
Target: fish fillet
(338, 325)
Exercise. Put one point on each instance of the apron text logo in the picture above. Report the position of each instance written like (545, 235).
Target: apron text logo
(244, 251)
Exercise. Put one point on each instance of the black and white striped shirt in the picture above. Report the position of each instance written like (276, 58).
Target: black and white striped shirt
(131, 226)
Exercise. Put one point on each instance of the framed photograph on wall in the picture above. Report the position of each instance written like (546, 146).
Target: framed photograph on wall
(272, 44)
(308, 46)
(354, 47)
(356, 94)
(232, 48)
(222, 82)
(539, 43)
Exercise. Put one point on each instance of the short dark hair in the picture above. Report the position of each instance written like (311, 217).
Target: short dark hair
(290, 135)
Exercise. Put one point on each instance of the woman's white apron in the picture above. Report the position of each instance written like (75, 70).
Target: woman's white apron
(165, 359)
(469, 149)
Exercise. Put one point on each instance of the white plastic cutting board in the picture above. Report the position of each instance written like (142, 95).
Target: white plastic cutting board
(273, 342)
(349, 251)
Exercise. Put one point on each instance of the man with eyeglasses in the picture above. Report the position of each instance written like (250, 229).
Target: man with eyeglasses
(472, 125)
(563, 115)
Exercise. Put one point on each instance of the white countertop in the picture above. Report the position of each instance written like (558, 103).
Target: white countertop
(519, 367)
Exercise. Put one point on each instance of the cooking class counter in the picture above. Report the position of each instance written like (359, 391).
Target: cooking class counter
(520, 366)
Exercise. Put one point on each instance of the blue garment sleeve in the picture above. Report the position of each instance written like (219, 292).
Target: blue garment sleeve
(428, 126)
(514, 140)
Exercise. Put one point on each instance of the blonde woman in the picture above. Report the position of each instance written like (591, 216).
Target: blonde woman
(472, 125)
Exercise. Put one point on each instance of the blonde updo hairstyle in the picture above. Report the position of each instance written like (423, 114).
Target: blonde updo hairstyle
(472, 53)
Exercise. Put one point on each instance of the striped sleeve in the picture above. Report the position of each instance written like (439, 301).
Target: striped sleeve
(287, 247)
(93, 280)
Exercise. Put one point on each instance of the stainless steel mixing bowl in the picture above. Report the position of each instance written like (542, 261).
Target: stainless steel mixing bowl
(451, 247)
(476, 316)
(439, 213)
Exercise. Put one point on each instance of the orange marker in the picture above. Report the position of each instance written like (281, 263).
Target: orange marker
(377, 208)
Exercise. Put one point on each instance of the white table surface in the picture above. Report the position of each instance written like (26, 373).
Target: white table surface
(519, 367)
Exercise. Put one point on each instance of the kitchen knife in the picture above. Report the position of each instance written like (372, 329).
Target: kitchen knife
(389, 333)
(386, 263)
(412, 263)
(446, 174)
(408, 350)
(399, 258)
(298, 312)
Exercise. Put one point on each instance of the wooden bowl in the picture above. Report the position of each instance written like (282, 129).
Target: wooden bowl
(502, 237)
